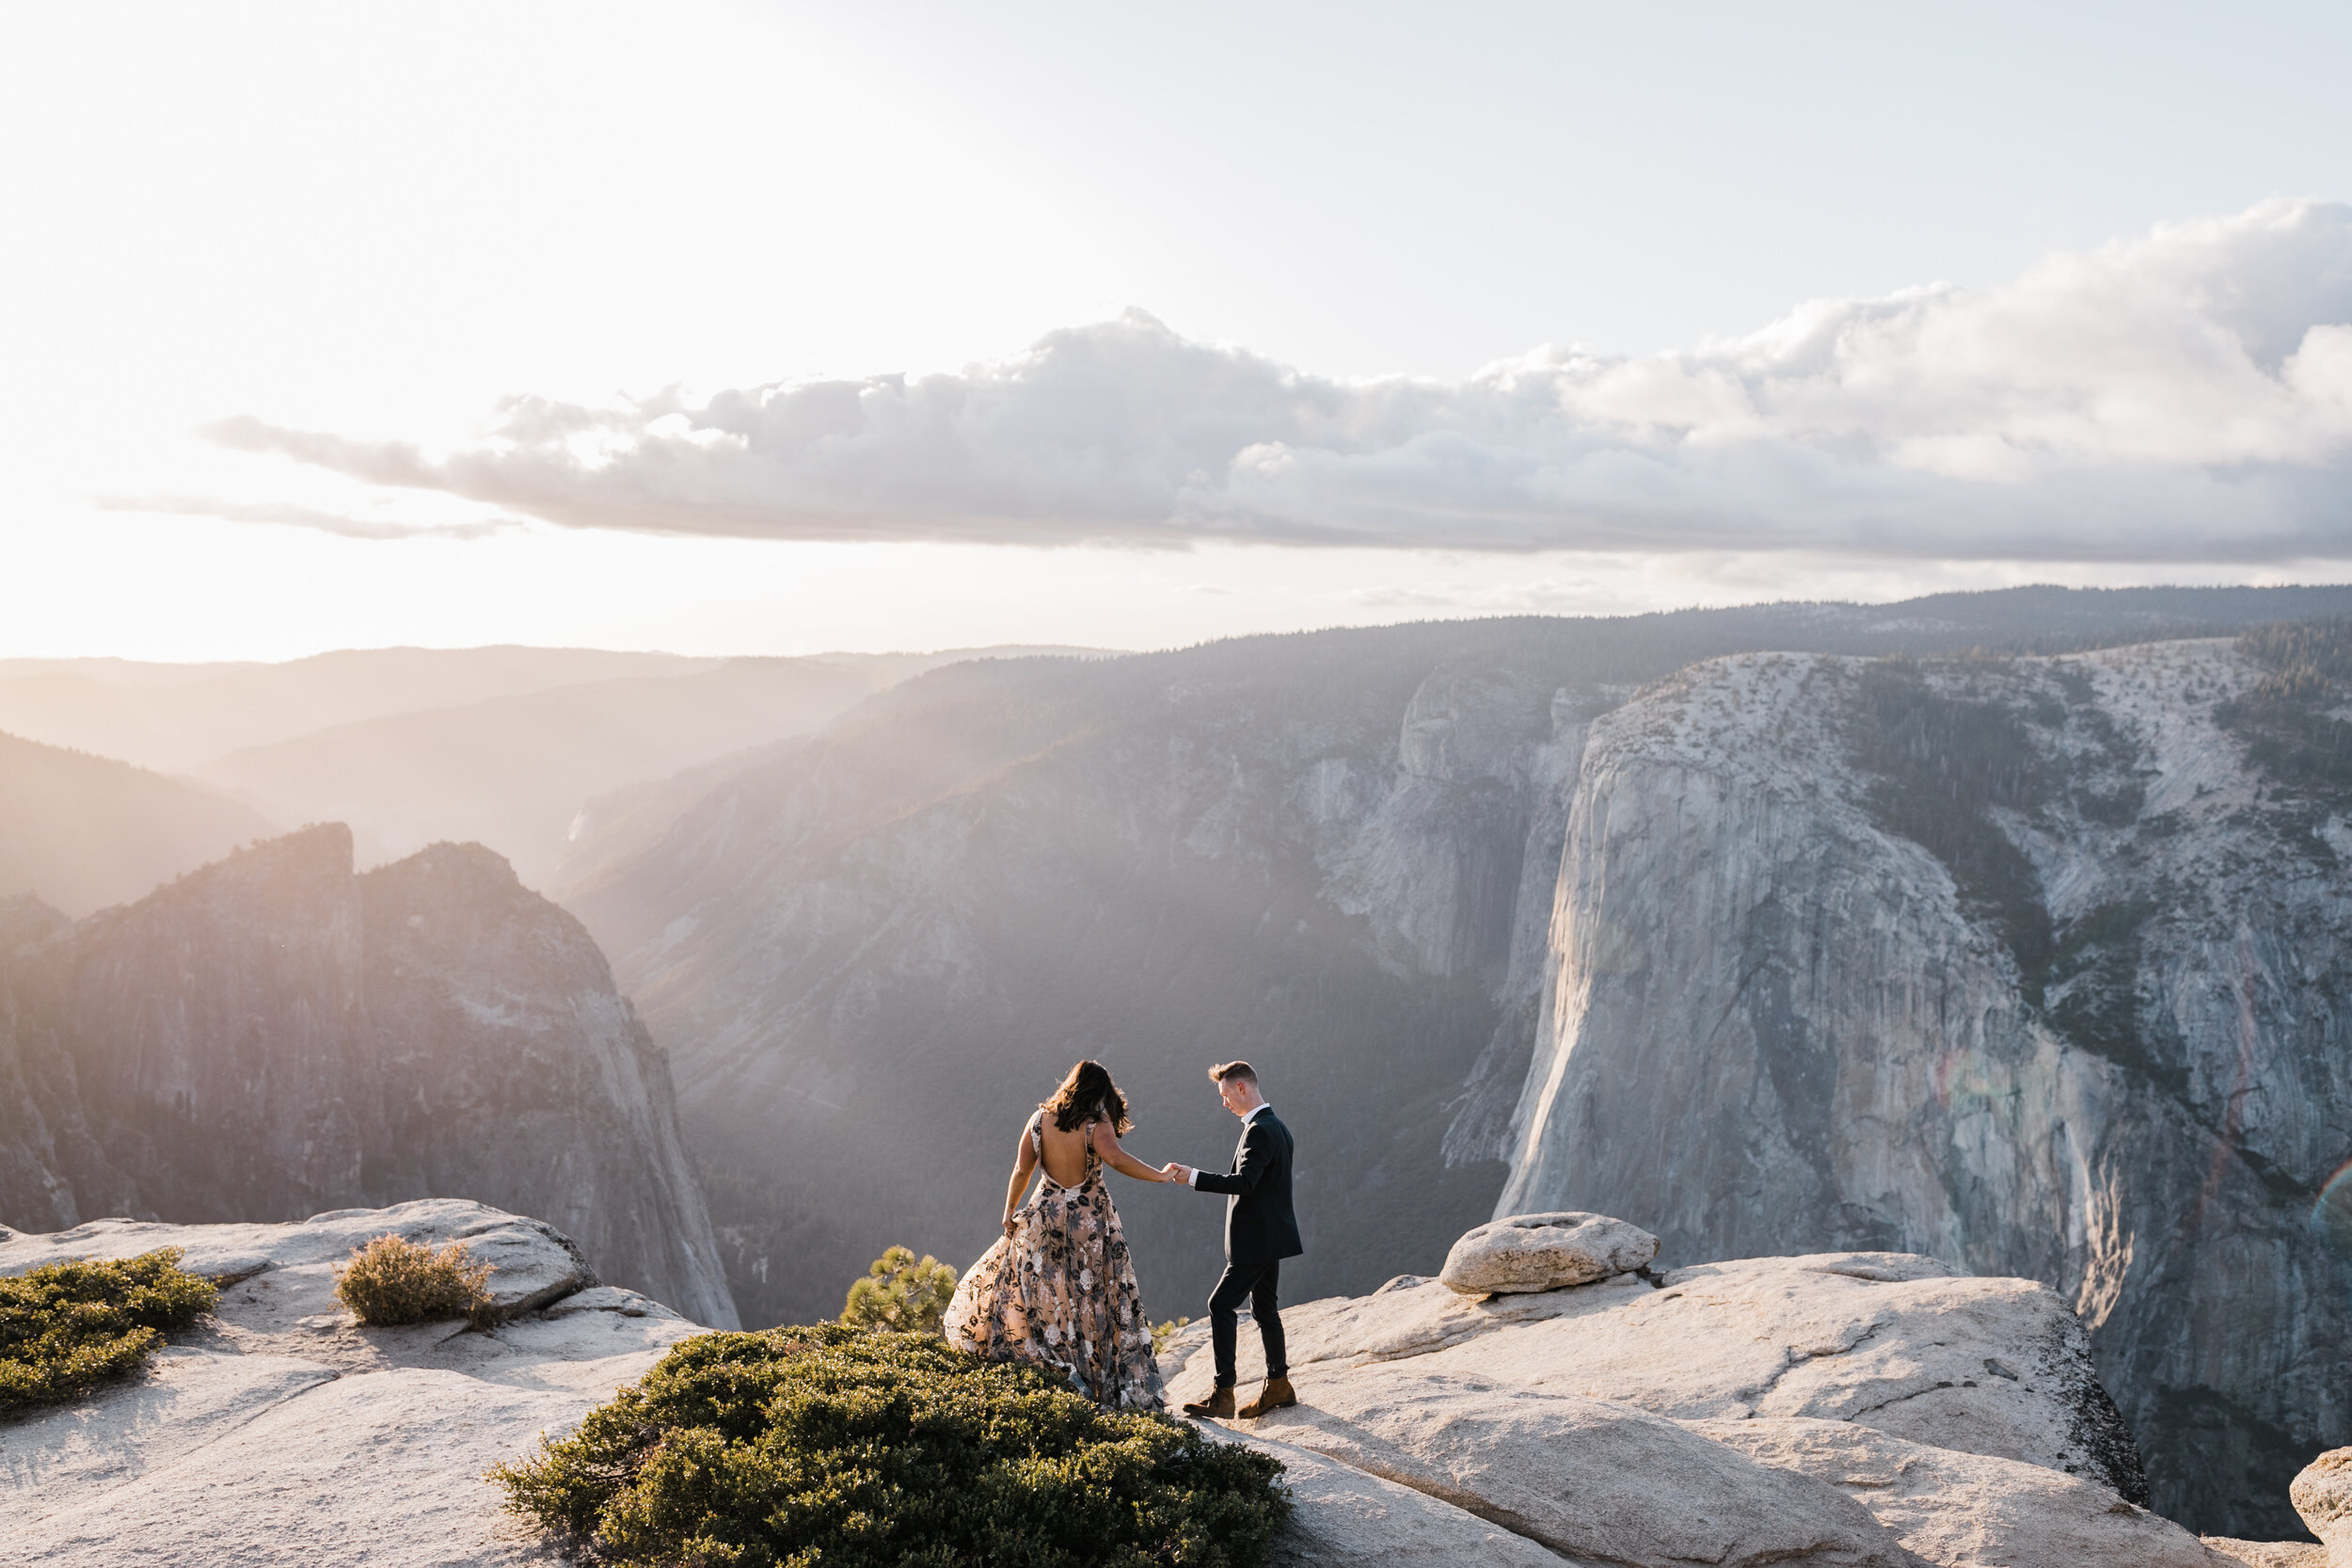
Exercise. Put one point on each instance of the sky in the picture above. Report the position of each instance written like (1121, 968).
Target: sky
(736, 328)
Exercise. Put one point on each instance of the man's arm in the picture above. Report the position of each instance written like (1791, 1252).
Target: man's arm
(1257, 1158)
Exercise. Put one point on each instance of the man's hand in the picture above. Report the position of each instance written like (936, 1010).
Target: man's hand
(1175, 1172)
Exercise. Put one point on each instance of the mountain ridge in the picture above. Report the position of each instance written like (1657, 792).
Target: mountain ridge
(276, 1035)
(85, 831)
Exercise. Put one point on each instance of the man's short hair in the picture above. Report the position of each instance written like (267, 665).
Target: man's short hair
(1242, 1071)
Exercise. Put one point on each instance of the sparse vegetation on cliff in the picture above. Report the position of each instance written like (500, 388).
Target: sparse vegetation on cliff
(393, 1280)
(67, 1327)
(2289, 721)
(901, 1295)
(801, 1446)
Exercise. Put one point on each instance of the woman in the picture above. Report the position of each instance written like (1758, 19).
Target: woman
(1057, 1290)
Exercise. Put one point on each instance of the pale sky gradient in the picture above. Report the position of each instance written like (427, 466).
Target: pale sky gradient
(373, 225)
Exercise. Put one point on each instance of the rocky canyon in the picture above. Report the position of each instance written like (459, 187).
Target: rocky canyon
(1364, 861)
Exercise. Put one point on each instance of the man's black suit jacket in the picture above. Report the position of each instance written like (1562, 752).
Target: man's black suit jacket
(1259, 1228)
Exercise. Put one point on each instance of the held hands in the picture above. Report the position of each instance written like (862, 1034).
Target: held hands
(1174, 1172)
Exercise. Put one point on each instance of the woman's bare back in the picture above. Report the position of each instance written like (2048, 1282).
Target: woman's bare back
(1066, 1156)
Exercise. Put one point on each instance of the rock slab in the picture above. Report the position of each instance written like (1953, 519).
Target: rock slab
(1889, 1340)
(1955, 1508)
(1342, 1518)
(2322, 1496)
(279, 1431)
(1839, 1407)
(1586, 1478)
(2270, 1554)
(1545, 1252)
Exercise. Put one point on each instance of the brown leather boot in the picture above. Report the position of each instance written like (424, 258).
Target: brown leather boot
(1219, 1405)
(1276, 1395)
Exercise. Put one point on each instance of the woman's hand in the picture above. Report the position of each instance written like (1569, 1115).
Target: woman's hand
(1009, 1227)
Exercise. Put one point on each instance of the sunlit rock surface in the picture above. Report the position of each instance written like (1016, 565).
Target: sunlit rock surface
(282, 1432)
(1857, 1407)
(2322, 1493)
(1954, 1507)
(1343, 1517)
(1545, 1252)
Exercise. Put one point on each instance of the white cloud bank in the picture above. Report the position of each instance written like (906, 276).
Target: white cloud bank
(2184, 396)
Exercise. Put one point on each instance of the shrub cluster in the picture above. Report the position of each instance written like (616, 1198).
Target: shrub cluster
(901, 1295)
(65, 1327)
(392, 1280)
(796, 1448)
(1943, 764)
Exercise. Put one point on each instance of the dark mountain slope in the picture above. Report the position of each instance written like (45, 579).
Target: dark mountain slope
(1334, 854)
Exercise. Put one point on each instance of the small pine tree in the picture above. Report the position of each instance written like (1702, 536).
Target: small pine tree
(900, 1295)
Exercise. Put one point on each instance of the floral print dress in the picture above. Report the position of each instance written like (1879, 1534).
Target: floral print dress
(1060, 1292)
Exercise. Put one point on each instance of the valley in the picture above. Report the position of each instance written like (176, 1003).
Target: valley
(2000, 928)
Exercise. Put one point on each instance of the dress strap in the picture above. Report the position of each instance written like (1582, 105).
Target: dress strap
(1037, 1131)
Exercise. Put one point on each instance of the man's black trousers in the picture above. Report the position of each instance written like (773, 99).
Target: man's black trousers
(1256, 1284)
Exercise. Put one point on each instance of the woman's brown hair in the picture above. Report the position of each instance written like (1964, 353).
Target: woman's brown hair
(1086, 1092)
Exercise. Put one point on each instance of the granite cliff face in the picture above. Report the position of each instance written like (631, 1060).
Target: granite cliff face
(2038, 966)
(274, 1036)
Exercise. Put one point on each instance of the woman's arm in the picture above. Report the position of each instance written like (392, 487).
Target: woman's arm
(1106, 1146)
(1024, 1164)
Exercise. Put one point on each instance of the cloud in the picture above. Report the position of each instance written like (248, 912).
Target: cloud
(2185, 395)
(341, 524)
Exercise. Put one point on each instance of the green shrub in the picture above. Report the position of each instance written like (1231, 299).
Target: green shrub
(1163, 1331)
(795, 1447)
(66, 1327)
(392, 1280)
(901, 1295)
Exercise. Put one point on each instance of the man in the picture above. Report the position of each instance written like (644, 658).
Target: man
(1260, 1232)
